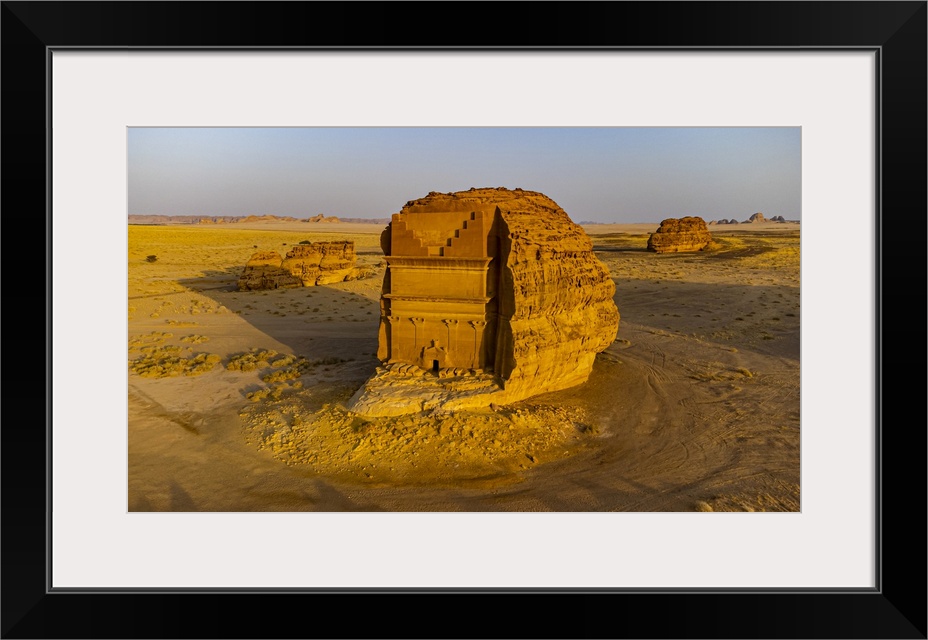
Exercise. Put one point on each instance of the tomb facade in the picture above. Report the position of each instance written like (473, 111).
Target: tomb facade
(491, 286)
(440, 305)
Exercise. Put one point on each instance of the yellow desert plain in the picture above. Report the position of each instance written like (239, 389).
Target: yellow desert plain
(237, 399)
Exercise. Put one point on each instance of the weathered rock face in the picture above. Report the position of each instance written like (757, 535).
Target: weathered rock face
(305, 265)
(496, 294)
(755, 218)
(321, 218)
(680, 234)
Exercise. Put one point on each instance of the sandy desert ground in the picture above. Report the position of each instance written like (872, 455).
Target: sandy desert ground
(236, 399)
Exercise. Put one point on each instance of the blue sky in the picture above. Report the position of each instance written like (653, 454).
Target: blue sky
(598, 174)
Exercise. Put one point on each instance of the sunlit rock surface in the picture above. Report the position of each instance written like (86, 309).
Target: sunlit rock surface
(490, 296)
(680, 234)
(305, 265)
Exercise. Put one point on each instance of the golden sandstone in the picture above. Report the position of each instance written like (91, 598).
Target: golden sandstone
(680, 234)
(490, 296)
(305, 265)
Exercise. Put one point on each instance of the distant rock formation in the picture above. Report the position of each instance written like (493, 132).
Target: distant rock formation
(680, 234)
(755, 219)
(365, 220)
(322, 218)
(490, 296)
(159, 219)
(269, 218)
(723, 221)
(777, 219)
(305, 265)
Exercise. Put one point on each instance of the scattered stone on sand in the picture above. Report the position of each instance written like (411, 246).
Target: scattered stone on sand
(445, 448)
(680, 234)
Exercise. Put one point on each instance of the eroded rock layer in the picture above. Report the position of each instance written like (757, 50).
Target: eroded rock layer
(305, 265)
(497, 283)
(680, 234)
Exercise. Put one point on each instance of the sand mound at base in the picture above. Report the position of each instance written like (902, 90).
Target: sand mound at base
(413, 449)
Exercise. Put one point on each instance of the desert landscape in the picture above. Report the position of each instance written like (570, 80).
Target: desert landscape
(239, 399)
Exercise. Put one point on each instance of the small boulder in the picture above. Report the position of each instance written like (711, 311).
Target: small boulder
(680, 234)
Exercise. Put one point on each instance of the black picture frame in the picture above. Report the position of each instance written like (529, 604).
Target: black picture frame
(896, 608)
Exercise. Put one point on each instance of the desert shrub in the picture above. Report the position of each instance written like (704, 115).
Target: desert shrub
(274, 393)
(305, 242)
(164, 362)
(251, 360)
(147, 341)
(151, 258)
(300, 366)
(282, 375)
(257, 396)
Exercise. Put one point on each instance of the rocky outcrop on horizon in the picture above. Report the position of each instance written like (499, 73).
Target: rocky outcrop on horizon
(365, 220)
(305, 265)
(269, 218)
(322, 218)
(689, 233)
(757, 218)
(163, 219)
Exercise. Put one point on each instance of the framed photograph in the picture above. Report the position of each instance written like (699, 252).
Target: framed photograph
(100, 561)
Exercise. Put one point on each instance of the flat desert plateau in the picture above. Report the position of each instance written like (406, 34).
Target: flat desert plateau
(237, 398)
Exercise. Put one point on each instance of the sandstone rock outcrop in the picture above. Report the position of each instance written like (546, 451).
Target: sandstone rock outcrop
(321, 218)
(490, 296)
(755, 218)
(680, 234)
(305, 265)
(268, 218)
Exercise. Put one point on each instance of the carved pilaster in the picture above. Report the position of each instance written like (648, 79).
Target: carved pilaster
(478, 326)
(449, 324)
(416, 323)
